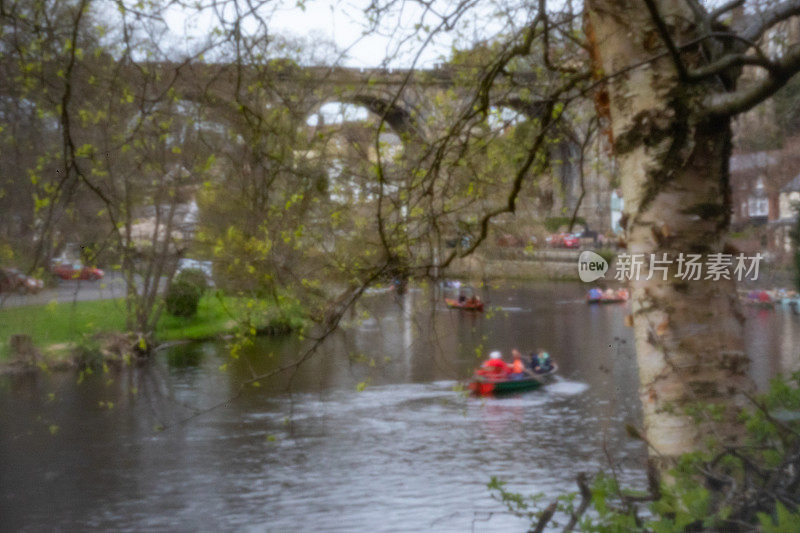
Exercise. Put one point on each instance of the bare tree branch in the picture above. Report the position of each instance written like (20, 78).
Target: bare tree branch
(721, 10)
(658, 20)
(729, 104)
(728, 61)
(760, 23)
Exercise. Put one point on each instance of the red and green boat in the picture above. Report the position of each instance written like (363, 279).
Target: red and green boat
(486, 384)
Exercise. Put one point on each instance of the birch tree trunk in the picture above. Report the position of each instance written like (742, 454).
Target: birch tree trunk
(673, 164)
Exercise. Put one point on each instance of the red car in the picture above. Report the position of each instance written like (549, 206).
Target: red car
(563, 240)
(77, 271)
(12, 279)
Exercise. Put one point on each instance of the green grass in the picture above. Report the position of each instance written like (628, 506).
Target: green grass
(212, 318)
(57, 323)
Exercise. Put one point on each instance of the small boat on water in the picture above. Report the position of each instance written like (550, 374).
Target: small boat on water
(758, 299)
(596, 296)
(484, 384)
(785, 297)
(466, 305)
(463, 297)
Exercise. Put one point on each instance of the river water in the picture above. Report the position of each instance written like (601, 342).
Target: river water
(370, 434)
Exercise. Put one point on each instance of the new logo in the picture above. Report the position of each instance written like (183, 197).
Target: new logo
(591, 266)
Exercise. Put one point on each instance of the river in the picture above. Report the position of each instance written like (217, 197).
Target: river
(370, 434)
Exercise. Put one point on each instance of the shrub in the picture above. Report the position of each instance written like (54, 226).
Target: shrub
(87, 354)
(185, 292)
(195, 276)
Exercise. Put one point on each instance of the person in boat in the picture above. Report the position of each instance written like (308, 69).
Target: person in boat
(608, 294)
(533, 361)
(543, 363)
(495, 365)
(595, 293)
(518, 368)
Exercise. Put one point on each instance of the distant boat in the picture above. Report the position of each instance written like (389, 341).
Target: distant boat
(466, 305)
(759, 299)
(463, 297)
(785, 297)
(596, 296)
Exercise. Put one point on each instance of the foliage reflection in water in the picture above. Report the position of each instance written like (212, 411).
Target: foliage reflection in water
(409, 452)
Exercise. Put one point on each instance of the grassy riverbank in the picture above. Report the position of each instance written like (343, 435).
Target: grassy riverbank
(67, 324)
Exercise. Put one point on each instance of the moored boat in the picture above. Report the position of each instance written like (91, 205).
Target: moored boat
(596, 296)
(758, 299)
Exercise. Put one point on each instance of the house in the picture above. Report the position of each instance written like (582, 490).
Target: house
(789, 202)
(755, 180)
(789, 199)
(179, 214)
(151, 226)
(764, 187)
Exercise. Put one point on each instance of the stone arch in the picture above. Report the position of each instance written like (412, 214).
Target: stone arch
(400, 118)
(564, 155)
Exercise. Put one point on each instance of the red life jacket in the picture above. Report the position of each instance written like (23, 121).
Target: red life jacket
(497, 365)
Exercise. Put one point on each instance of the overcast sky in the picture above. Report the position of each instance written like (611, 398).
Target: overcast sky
(344, 23)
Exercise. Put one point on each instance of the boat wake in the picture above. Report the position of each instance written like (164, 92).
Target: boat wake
(565, 387)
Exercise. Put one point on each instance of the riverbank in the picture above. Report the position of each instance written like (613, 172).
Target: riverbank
(562, 265)
(59, 334)
(516, 268)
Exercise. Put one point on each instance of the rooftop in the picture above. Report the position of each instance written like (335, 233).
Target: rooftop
(751, 160)
(793, 185)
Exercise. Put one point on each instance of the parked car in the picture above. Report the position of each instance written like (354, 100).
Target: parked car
(563, 240)
(205, 267)
(77, 271)
(12, 279)
(572, 241)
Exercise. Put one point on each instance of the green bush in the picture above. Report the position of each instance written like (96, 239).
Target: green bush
(87, 354)
(195, 276)
(185, 292)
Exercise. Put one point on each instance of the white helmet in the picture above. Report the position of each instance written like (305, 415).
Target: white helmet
(495, 355)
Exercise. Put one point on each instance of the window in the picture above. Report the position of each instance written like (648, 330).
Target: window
(758, 207)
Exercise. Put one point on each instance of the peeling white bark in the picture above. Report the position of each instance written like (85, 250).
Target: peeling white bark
(673, 169)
